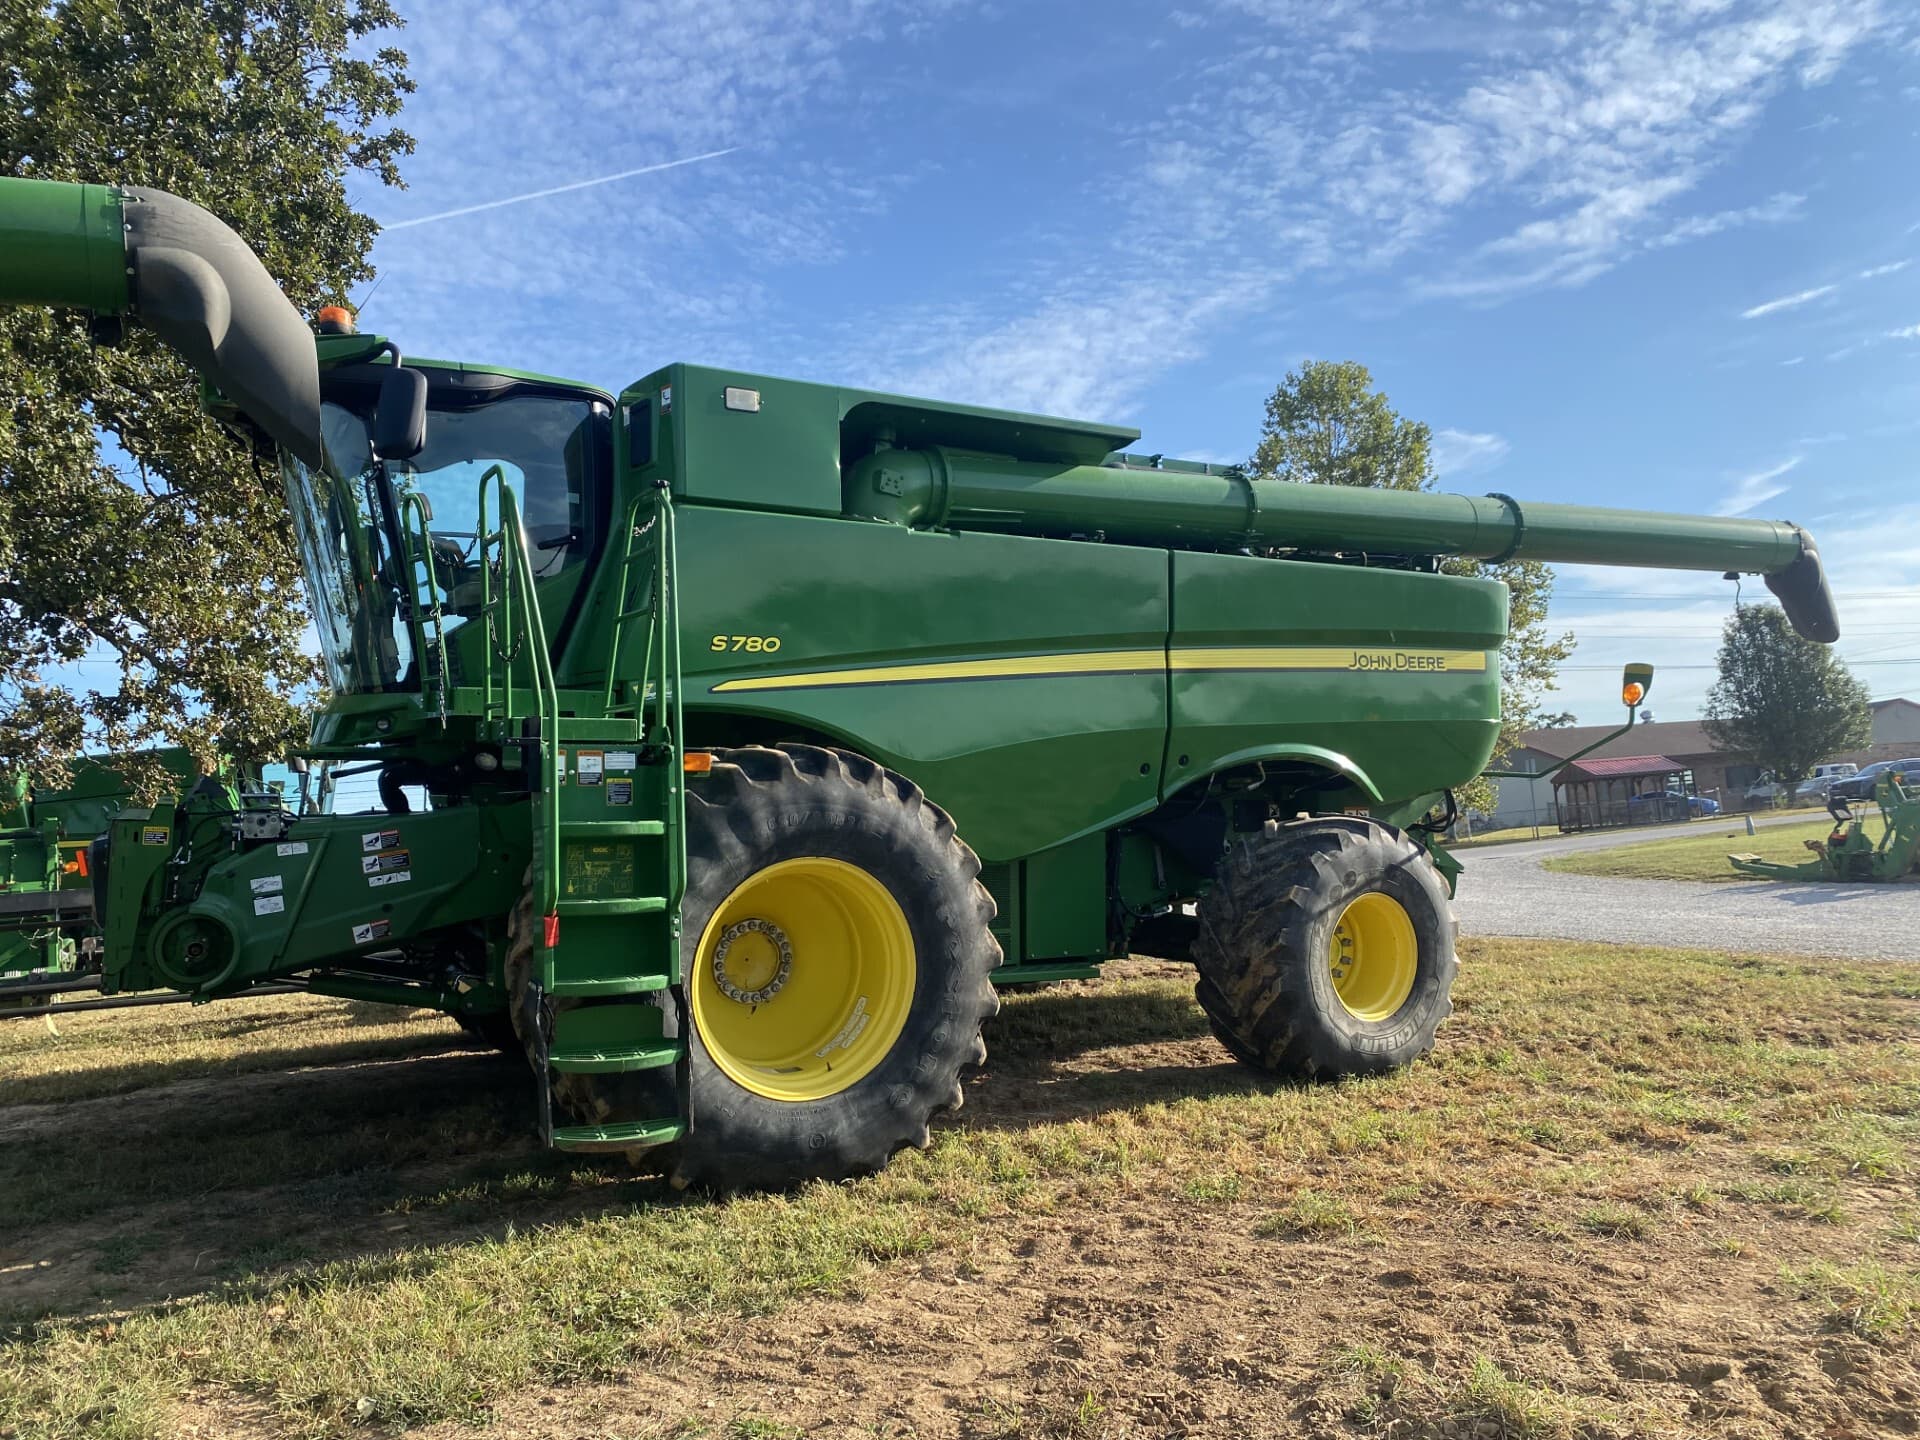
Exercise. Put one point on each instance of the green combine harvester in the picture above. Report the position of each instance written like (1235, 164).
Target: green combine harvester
(764, 727)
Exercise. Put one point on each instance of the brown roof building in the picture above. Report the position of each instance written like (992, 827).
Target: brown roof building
(1684, 743)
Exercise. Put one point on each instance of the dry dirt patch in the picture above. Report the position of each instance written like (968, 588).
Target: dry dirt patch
(1633, 1193)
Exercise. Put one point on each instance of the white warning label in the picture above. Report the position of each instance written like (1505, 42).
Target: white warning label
(269, 904)
(267, 885)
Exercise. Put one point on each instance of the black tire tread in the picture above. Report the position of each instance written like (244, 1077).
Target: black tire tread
(1254, 970)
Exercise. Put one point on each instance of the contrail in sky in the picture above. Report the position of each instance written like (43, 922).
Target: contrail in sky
(558, 189)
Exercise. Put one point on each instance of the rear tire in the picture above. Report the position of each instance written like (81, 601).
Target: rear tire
(1326, 949)
(888, 953)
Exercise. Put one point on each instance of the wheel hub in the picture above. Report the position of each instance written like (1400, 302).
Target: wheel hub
(1373, 957)
(752, 962)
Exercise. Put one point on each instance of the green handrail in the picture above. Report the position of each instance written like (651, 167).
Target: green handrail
(413, 508)
(667, 628)
(514, 629)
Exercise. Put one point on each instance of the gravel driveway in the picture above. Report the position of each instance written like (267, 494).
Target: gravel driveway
(1506, 892)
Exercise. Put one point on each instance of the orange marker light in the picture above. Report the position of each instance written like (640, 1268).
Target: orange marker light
(697, 762)
(334, 320)
(1634, 693)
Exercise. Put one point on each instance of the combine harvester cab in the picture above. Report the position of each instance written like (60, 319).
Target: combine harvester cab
(736, 736)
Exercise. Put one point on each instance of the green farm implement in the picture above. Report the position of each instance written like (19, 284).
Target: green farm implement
(49, 944)
(1850, 852)
(736, 736)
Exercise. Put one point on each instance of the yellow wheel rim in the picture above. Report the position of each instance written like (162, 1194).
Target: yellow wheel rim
(803, 979)
(1373, 956)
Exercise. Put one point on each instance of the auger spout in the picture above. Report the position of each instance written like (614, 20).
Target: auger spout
(166, 263)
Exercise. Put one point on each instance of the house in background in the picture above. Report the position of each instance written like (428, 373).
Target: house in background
(1682, 743)
(1681, 747)
(1896, 723)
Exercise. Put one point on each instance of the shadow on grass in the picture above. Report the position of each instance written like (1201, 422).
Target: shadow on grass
(288, 1169)
(121, 1074)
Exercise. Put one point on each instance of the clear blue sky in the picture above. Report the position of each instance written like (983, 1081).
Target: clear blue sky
(1653, 255)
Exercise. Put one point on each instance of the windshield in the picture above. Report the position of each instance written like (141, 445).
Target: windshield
(367, 591)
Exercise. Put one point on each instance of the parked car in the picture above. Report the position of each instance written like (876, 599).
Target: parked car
(1816, 785)
(1859, 785)
(1766, 790)
(1668, 805)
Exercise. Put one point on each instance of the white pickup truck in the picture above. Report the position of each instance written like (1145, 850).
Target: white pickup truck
(1816, 785)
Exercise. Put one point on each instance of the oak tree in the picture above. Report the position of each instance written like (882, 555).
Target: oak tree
(148, 588)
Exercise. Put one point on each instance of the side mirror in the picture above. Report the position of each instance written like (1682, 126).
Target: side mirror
(400, 424)
(1635, 681)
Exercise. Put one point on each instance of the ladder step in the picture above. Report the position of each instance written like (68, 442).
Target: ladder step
(610, 829)
(622, 1136)
(596, 1061)
(609, 985)
(633, 905)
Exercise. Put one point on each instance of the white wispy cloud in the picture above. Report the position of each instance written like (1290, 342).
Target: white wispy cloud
(1878, 270)
(1788, 302)
(1459, 452)
(1795, 360)
(1780, 208)
(1753, 490)
(1905, 332)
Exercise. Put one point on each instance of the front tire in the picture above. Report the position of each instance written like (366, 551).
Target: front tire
(1326, 949)
(835, 953)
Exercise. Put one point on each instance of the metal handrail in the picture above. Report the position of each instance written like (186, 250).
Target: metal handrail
(514, 628)
(413, 506)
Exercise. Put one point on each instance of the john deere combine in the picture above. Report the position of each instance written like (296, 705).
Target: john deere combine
(765, 726)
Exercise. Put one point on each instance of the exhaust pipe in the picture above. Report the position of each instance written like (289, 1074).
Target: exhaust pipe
(185, 275)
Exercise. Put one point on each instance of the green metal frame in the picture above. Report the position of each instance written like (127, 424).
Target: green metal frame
(1849, 853)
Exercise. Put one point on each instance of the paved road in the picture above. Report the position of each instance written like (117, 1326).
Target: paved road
(1506, 892)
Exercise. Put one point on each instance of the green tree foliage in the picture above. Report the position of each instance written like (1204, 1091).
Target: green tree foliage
(1784, 700)
(165, 561)
(1326, 424)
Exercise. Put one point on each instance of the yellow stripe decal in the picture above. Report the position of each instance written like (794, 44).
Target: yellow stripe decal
(1134, 662)
(1013, 667)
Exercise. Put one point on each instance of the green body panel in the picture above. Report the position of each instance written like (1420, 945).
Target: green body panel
(1065, 910)
(1023, 761)
(1397, 731)
(329, 888)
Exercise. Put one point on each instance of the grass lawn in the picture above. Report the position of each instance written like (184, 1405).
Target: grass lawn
(1700, 854)
(1633, 1193)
